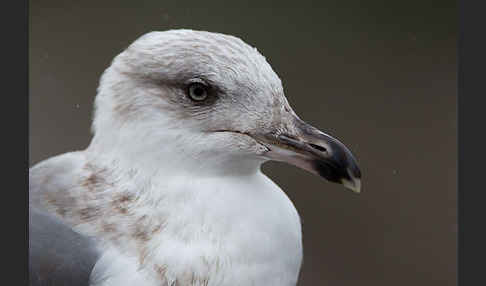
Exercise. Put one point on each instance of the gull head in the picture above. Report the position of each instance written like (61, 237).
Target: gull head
(201, 102)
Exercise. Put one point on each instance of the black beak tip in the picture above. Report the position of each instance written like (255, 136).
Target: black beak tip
(354, 170)
(342, 168)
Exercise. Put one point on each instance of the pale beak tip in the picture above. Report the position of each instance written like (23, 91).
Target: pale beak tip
(354, 184)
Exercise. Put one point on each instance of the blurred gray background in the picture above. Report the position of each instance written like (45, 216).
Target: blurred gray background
(379, 75)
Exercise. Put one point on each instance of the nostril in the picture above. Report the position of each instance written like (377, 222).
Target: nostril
(317, 147)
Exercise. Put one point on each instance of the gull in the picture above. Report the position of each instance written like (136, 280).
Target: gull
(169, 190)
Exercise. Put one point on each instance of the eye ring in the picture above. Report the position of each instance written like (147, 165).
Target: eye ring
(197, 91)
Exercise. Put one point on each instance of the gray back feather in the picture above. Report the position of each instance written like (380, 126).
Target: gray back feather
(57, 254)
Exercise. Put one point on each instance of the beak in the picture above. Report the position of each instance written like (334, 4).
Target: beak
(311, 149)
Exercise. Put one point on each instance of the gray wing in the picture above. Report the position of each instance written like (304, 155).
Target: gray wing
(57, 254)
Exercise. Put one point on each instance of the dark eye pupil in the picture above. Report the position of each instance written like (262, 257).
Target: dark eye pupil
(198, 91)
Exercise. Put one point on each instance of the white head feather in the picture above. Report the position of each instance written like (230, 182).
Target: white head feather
(143, 110)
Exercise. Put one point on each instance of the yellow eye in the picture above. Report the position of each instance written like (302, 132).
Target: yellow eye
(198, 92)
